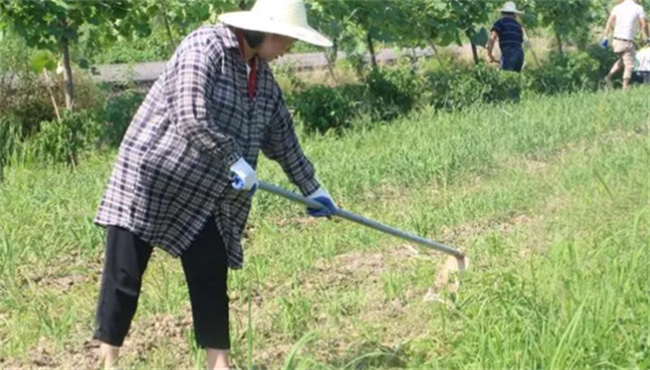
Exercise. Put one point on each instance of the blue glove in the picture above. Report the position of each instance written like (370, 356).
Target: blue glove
(243, 176)
(322, 196)
(605, 43)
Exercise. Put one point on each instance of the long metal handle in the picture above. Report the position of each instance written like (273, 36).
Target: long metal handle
(530, 47)
(361, 220)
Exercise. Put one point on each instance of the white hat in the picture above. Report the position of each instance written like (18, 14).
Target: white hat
(282, 17)
(510, 7)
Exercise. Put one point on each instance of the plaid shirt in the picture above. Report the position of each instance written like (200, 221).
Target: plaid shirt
(172, 170)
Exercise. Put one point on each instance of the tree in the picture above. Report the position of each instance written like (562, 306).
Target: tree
(444, 22)
(179, 17)
(469, 15)
(378, 19)
(331, 18)
(56, 24)
(571, 18)
(351, 21)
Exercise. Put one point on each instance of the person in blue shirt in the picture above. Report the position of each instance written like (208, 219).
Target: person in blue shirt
(510, 34)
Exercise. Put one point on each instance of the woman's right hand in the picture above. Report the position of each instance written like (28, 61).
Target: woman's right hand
(243, 176)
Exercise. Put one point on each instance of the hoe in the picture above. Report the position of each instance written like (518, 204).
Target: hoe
(457, 261)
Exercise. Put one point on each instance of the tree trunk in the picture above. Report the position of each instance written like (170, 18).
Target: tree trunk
(475, 54)
(331, 55)
(67, 74)
(371, 49)
(414, 59)
(170, 36)
(435, 51)
(558, 39)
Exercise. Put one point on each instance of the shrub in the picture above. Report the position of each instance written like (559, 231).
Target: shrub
(565, 73)
(394, 91)
(24, 101)
(459, 87)
(287, 79)
(498, 86)
(322, 108)
(604, 57)
(118, 113)
(62, 141)
(24, 95)
(11, 137)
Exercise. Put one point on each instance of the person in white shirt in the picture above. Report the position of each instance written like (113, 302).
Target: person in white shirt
(642, 68)
(626, 17)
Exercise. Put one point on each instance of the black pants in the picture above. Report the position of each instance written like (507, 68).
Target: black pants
(206, 273)
(512, 60)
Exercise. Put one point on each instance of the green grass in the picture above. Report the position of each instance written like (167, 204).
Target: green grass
(549, 198)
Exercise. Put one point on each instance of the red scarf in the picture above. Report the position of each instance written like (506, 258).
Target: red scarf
(252, 64)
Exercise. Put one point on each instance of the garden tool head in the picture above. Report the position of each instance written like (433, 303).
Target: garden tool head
(448, 278)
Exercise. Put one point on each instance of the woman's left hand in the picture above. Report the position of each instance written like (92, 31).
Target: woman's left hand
(322, 196)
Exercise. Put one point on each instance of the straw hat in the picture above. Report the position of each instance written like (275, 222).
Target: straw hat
(510, 7)
(282, 17)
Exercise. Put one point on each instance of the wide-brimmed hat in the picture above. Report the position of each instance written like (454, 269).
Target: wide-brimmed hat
(282, 17)
(510, 7)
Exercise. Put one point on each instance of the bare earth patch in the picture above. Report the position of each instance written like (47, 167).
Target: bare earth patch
(68, 271)
(158, 332)
(59, 283)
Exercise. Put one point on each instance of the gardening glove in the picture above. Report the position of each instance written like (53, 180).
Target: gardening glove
(605, 43)
(243, 176)
(322, 196)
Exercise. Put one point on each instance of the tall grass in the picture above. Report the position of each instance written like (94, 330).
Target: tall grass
(549, 198)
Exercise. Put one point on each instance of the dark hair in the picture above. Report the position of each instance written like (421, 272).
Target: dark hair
(253, 38)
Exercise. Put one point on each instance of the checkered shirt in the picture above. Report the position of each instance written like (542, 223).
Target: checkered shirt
(172, 170)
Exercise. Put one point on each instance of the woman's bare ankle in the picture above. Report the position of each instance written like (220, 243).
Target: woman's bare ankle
(108, 355)
(217, 359)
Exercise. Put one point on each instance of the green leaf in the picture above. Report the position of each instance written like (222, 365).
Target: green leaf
(83, 63)
(143, 29)
(439, 5)
(42, 60)
(61, 4)
(446, 39)
(480, 38)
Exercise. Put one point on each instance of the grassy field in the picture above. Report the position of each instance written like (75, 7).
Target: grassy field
(549, 198)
